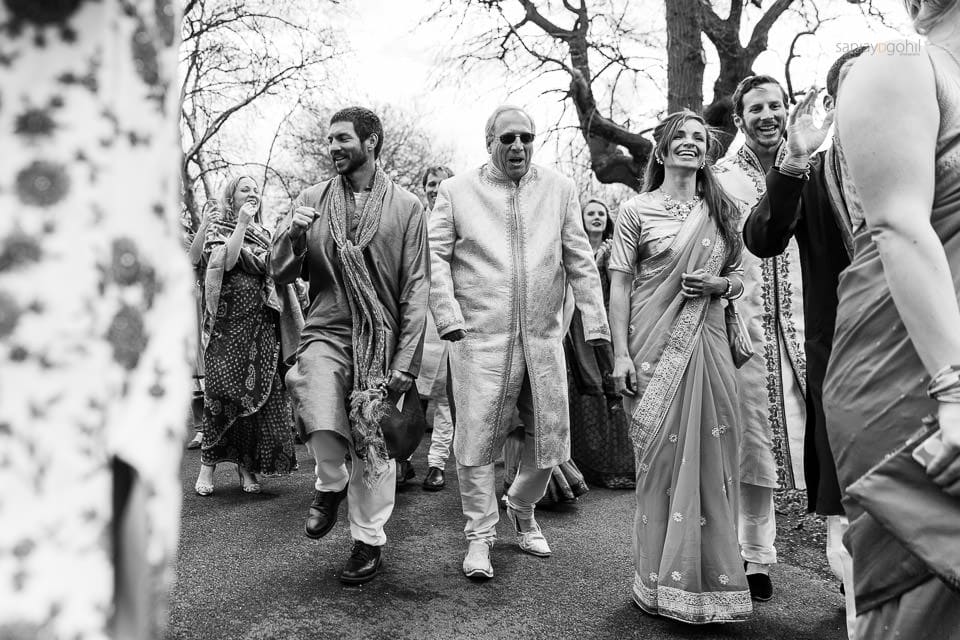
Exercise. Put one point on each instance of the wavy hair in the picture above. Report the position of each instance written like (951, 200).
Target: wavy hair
(927, 13)
(608, 229)
(720, 205)
(227, 210)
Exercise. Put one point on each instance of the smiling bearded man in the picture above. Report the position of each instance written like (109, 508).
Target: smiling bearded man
(772, 383)
(505, 240)
(360, 241)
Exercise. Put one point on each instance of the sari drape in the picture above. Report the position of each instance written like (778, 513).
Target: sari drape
(685, 425)
(247, 417)
(875, 397)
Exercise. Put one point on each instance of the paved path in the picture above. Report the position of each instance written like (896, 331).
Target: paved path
(246, 571)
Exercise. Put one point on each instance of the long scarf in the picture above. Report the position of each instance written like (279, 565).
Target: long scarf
(370, 330)
(252, 259)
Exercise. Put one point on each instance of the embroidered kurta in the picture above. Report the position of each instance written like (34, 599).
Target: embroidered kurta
(397, 261)
(501, 257)
(772, 383)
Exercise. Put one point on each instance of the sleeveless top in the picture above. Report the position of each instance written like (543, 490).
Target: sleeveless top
(870, 334)
(875, 388)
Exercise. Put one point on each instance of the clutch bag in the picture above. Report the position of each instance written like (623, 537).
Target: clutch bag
(741, 347)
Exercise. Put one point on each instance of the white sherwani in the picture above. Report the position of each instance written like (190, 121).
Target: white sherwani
(773, 382)
(501, 257)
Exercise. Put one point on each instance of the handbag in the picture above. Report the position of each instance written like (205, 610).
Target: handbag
(403, 424)
(741, 347)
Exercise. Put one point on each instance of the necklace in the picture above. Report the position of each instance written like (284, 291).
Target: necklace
(679, 210)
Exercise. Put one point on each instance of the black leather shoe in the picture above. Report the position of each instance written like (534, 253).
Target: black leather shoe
(434, 480)
(363, 564)
(405, 471)
(761, 589)
(323, 512)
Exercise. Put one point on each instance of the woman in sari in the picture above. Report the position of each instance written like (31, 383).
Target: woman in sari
(599, 437)
(676, 254)
(896, 356)
(246, 411)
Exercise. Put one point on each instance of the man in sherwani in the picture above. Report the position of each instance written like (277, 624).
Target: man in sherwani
(360, 241)
(505, 240)
(772, 383)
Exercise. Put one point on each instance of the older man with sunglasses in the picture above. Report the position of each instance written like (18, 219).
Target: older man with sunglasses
(505, 240)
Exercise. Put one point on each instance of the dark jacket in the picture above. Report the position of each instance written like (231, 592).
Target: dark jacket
(802, 208)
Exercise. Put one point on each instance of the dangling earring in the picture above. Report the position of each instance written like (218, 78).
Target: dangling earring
(703, 164)
(658, 159)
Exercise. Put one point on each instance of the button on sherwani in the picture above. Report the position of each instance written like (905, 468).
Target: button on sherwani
(502, 255)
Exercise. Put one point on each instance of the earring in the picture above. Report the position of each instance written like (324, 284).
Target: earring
(658, 159)
(703, 164)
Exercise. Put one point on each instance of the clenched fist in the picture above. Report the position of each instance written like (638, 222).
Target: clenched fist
(303, 217)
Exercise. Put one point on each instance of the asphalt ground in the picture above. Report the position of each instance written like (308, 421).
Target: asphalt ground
(247, 571)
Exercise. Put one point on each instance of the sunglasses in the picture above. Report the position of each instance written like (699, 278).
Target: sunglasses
(508, 138)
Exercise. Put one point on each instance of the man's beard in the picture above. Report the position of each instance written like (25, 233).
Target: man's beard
(354, 162)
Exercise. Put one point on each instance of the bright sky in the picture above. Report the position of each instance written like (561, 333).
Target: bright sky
(394, 61)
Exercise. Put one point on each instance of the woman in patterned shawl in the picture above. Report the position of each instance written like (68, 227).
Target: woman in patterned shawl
(246, 411)
(676, 253)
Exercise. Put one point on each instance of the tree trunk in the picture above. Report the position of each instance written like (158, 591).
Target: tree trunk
(685, 57)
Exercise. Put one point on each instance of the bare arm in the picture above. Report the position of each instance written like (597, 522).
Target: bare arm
(896, 95)
(234, 244)
(624, 373)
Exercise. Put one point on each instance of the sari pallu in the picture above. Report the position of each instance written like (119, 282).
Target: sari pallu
(247, 417)
(685, 426)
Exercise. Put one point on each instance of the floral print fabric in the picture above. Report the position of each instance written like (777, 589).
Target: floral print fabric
(95, 308)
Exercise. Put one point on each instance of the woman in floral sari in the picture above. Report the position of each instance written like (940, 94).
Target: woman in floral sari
(676, 253)
(246, 411)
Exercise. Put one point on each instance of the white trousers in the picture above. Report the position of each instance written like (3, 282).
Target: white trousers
(757, 526)
(841, 563)
(368, 509)
(478, 490)
(442, 434)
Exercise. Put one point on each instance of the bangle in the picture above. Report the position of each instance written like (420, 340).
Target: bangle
(945, 384)
(726, 292)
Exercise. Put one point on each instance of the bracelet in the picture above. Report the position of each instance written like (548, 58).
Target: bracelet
(726, 292)
(945, 384)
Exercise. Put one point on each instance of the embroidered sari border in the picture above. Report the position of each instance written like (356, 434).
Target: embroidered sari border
(687, 606)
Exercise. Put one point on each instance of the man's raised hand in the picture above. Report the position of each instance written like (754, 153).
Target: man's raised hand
(804, 137)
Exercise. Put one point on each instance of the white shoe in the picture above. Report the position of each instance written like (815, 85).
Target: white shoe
(477, 563)
(530, 538)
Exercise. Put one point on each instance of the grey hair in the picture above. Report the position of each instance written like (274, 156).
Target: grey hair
(504, 108)
(927, 13)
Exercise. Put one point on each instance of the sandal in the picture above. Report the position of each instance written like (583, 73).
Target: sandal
(248, 487)
(202, 488)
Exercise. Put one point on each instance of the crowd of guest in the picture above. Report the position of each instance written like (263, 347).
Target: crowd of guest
(784, 317)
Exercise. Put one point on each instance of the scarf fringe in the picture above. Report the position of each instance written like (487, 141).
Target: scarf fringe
(367, 408)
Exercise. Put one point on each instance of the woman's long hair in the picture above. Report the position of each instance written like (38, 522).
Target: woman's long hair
(720, 205)
(227, 206)
(608, 229)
